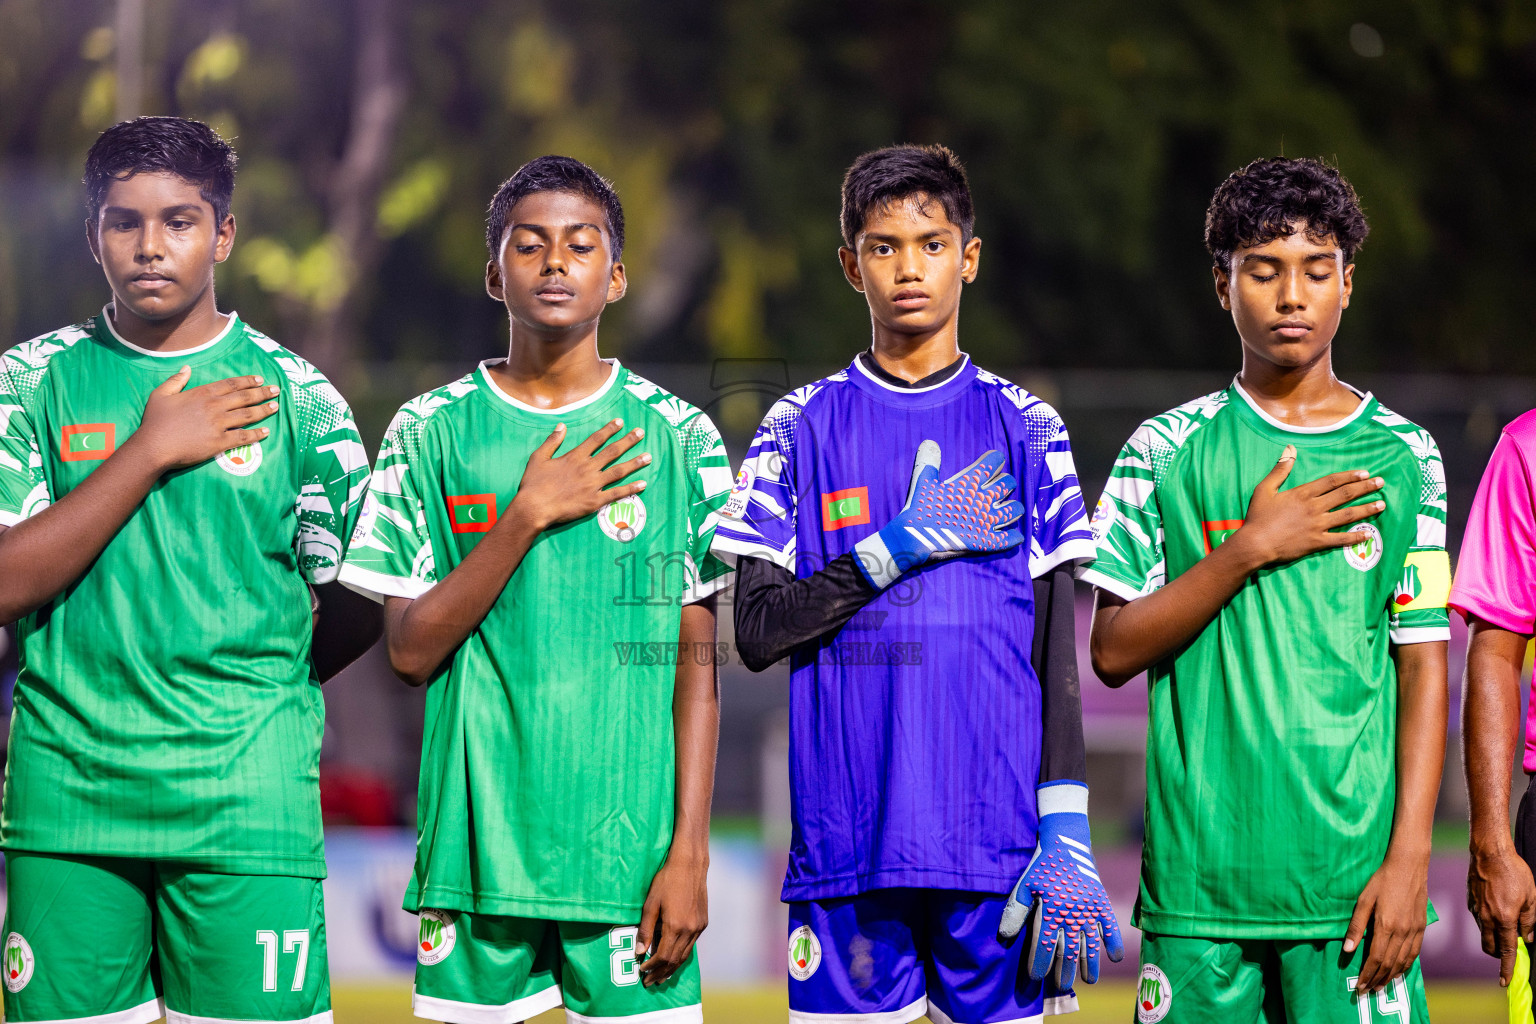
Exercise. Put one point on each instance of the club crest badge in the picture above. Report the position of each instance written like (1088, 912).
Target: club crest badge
(241, 461)
(434, 940)
(804, 953)
(1364, 553)
(622, 520)
(1154, 995)
(18, 962)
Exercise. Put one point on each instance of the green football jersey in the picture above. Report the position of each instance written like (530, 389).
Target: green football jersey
(1271, 736)
(547, 766)
(166, 705)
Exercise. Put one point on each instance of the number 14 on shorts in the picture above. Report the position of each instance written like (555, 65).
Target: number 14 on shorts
(1391, 1001)
(293, 940)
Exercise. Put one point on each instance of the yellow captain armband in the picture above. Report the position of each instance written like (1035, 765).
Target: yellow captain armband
(1425, 582)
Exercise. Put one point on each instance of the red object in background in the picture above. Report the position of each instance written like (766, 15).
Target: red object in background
(352, 797)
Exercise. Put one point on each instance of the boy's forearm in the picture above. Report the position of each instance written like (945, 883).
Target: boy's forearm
(696, 730)
(1423, 707)
(1130, 638)
(42, 556)
(1491, 730)
(421, 633)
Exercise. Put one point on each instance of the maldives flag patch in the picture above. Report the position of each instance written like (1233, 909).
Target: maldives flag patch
(472, 513)
(83, 442)
(1218, 531)
(848, 507)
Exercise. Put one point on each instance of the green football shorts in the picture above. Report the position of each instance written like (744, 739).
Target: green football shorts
(1266, 981)
(127, 941)
(487, 969)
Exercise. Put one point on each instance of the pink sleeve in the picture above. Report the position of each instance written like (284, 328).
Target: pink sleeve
(1496, 571)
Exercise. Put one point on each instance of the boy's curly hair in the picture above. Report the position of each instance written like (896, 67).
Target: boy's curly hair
(1268, 198)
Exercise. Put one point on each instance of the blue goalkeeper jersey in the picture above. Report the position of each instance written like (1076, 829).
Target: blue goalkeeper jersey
(915, 729)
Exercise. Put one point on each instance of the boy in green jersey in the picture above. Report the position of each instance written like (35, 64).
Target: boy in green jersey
(174, 492)
(1273, 555)
(533, 563)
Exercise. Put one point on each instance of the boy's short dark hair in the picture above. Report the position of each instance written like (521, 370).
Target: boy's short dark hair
(1261, 202)
(884, 176)
(188, 149)
(554, 174)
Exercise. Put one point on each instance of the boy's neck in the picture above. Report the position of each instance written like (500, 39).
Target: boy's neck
(197, 325)
(915, 356)
(549, 373)
(1301, 396)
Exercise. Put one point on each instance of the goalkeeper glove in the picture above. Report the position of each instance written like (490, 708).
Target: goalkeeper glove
(971, 512)
(1072, 915)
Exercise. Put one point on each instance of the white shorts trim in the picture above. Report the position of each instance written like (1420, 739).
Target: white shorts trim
(172, 1017)
(906, 1014)
(434, 1008)
(673, 1015)
(141, 1014)
(938, 1016)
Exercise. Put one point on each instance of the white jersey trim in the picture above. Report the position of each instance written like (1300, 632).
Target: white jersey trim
(859, 364)
(672, 1015)
(434, 1008)
(231, 318)
(1365, 400)
(9, 519)
(1419, 635)
(1061, 1004)
(707, 588)
(910, 1012)
(1080, 551)
(172, 1017)
(377, 585)
(1088, 574)
(141, 1014)
(614, 370)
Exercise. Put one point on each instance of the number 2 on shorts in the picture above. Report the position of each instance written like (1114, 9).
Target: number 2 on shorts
(621, 962)
(295, 939)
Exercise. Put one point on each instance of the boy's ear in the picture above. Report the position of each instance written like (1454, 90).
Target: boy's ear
(970, 260)
(493, 283)
(1223, 287)
(618, 284)
(226, 239)
(1349, 284)
(850, 261)
(92, 240)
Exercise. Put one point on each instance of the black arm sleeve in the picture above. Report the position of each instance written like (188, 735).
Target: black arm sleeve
(1054, 655)
(775, 613)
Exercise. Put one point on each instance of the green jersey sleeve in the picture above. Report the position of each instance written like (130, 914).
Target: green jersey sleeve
(391, 551)
(709, 485)
(1127, 523)
(23, 489)
(333, 468)
(1418, 612)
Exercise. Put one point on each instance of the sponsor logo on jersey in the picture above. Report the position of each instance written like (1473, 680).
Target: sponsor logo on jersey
(1364, 553)
(622, 520)
(472, 513)
(1103, 518)
(736, 504)
(242, 460)
(87, 442)
(804, 953)
(434, 939)
(1154, 995)
(18, 962)
(1219, 530)
(848, 507)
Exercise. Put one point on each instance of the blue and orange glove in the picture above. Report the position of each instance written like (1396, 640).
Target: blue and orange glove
(970, 513)
(1072, 915)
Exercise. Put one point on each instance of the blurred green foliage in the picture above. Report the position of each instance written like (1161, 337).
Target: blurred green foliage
(1094, 133)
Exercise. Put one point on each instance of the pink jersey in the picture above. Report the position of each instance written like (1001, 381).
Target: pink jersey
(1496, 572)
